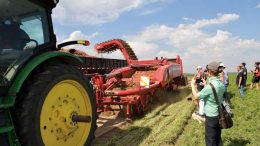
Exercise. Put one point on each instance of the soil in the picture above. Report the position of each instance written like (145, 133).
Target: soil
(109, 120)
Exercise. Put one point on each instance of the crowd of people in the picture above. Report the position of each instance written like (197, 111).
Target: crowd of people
(241, 78)
(205, 100)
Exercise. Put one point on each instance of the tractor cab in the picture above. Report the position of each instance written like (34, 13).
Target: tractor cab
(25, 29)
(44, 97)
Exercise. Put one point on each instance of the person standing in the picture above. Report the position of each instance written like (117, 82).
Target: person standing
(200, 82)
(200, 76)
(256, 77)
(224, 78)
(244, 72)
(239, 80)
(224, 74)
(212, 127)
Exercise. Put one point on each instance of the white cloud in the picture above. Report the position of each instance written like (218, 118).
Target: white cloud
(222, 19)
(78, 35)
(258, 6)
(151, 11)
(92, 12)
(187, 19)
(198, 47)
(168, 54)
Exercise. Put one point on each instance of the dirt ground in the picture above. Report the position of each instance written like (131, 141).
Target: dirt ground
(109, 120)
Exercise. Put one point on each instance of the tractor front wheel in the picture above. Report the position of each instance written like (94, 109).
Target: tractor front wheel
(48, 105)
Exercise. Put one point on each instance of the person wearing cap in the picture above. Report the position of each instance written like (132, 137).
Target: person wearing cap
(200, 76)
(240, 80)
(200, 82)
(212, 127)
(224, 78)
(224, 74)
(243, 64)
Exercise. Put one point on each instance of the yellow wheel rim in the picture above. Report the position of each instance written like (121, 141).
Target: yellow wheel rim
(66, 98)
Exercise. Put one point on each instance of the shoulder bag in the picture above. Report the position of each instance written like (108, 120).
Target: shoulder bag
(225, 120)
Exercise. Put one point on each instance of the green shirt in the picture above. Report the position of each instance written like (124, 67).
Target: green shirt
(244, 72)
(210, 106)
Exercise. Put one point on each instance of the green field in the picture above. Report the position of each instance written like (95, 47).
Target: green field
(170, 123)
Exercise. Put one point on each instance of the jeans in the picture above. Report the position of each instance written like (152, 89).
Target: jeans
(212, 132)
(241, 90)
(225, 95)
(227, 107)
(226, 101)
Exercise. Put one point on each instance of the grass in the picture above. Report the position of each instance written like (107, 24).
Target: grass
(170, 123)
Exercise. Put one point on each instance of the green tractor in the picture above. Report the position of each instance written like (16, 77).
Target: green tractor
(44, 98)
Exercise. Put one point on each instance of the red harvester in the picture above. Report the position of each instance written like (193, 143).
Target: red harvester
(134, 85)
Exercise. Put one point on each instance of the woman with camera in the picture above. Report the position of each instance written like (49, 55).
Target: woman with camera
(212, 126)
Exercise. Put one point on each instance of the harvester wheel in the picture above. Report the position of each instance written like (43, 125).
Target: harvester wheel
(56, 107)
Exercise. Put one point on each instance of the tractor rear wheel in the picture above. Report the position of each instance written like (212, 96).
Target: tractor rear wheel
(47, 103)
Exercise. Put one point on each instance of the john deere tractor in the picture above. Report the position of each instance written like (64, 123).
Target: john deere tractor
(44, 97)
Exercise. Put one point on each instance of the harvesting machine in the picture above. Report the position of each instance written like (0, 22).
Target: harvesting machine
(133, 86)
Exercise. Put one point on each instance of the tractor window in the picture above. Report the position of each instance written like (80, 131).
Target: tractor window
(33, 27)
(23, 27)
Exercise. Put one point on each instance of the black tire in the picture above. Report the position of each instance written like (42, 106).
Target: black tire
(31, 99)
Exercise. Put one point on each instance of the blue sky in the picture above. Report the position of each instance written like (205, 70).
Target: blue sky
(199, 31)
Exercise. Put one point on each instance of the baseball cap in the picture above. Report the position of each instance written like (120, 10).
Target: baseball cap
(222, 64)
(199, 67)
(213, 66)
